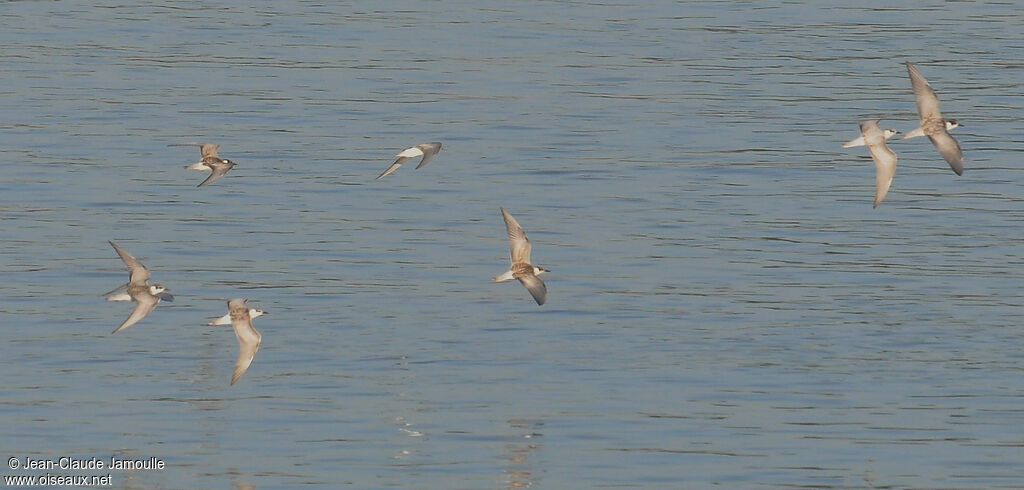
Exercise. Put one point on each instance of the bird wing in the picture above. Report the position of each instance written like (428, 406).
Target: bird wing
(885, 169)
(248, 344)
(927, 101)
(950, 150)
(518, 242)
(209, 150)
(144, 303)
(138, 273)
(535, 286)
(219, 169)
(393, 167)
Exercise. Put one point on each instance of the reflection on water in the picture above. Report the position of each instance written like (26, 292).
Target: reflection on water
(520, 471)
(726, 309)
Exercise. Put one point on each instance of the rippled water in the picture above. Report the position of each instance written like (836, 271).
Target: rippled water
(725, 307)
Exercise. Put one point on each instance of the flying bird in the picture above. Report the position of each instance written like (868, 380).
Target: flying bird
(932, 123)
(209, 161)
(248, 338)
(519, 256)
(425, 150)
(138, 289)
(885, 159)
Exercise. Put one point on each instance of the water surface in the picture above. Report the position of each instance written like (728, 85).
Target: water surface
(725, 308)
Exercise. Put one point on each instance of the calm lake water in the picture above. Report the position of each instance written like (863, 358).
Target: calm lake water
(725, 307)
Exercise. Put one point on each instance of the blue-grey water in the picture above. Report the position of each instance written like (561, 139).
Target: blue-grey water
(725, 307)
